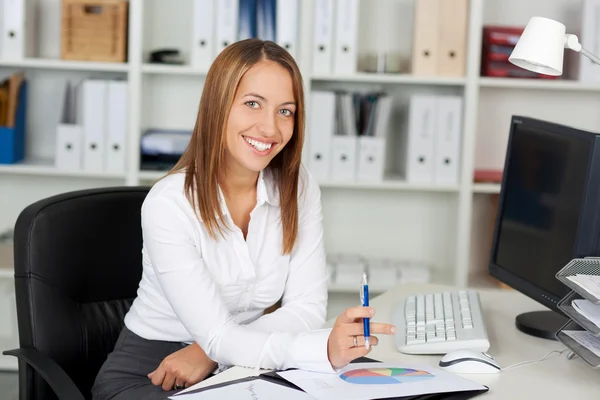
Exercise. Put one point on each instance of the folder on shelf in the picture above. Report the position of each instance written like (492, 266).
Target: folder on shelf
(68, 150)
(321, 128)
(227, 23)
(266, 19)
(286, 31)
(448, 133)
(453, 24)
(94, 106)
(247, 19)
(420, 139)
(322, 52)
(344, 142)
(203, 38)
(345, 54)
(372, 145)
(18, 29)
(12, 134)
(425, 47)
(116, 124)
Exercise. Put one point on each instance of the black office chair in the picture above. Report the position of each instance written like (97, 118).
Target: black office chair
(77, 269)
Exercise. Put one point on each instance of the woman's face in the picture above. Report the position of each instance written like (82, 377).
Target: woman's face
(261, 120)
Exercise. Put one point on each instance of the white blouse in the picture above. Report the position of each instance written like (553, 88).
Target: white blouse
(194, 288)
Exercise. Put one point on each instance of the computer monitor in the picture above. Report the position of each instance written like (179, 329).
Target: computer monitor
(548, 213)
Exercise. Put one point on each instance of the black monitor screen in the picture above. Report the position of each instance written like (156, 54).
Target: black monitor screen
(543, 196)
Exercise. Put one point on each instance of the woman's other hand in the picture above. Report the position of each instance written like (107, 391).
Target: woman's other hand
(341, 346)
(182, 369)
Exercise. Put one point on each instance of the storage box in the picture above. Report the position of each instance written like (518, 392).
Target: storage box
(94, 30)
(12, 139)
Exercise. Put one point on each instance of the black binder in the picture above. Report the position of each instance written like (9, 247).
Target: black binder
(273, 377)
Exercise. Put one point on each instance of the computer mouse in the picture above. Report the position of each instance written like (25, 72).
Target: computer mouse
(469, 362)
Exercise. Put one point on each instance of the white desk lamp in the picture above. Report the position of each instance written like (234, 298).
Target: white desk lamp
(541, 47)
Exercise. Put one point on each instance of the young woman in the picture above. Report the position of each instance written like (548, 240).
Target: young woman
(235, 227)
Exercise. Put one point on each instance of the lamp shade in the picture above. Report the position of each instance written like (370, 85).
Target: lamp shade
(541, 47)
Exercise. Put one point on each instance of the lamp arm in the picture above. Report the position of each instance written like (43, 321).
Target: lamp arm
(572, 42)
(590, 56)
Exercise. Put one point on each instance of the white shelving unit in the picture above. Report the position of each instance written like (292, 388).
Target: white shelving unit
(445, 226)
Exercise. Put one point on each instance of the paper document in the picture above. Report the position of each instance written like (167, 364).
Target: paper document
(230, 374)
(591, 283)
(590, 311)
(586, 339)
(378, 380)
(256, 389)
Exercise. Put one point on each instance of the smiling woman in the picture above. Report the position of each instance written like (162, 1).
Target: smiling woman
(235, 227)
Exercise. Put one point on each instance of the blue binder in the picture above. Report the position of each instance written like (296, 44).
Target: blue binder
(12, 140)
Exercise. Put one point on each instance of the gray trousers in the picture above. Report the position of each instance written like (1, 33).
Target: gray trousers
(124, 373)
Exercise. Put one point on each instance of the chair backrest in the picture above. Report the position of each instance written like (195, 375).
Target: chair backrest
(78, 264)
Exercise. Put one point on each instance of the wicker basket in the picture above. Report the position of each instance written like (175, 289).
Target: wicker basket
(94, 30)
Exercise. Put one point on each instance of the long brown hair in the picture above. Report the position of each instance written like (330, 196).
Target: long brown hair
(203, 158)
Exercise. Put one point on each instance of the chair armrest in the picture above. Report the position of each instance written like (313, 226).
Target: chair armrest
(55, 376)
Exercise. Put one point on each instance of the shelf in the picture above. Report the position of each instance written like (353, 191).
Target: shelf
(6, 272)
(354, 289)
(486, 188)
(166, 69)
(46, 168)
(41, 63)
(392, 79)
(388, 184)
(542, 84)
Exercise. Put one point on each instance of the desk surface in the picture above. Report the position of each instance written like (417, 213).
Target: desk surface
(554, 378)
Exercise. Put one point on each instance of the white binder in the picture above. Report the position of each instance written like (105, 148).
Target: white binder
(346, 37)
(94, 94)
(420, 143)
(287, 12)
(448, 133)
(18, 29)
(69, 147)
(372, 148)
(321, 127)
(116, 124)
(227, 23)
(203, 38)
(345, 142)
(68, 150)
(322, 52)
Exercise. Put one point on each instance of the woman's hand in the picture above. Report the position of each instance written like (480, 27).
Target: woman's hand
(341, 348)
(182, 369)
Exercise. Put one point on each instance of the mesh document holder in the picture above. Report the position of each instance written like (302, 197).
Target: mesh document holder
(578, 322)
(566, 305)
(587, 355)
(583, 266)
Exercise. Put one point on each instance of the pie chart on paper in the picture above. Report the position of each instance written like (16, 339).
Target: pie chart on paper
(385, 376)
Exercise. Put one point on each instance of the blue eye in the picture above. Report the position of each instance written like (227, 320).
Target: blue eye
(252, 104)
(286, 112)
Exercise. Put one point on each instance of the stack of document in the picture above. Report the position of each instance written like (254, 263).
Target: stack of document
(590, 311)
(589, 283)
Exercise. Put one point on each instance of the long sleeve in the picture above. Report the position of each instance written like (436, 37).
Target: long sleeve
(305, 296)
(194, 297)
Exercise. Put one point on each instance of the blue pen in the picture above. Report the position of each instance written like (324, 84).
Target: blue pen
(364, 297)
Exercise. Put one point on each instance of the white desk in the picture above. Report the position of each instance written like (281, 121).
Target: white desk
(554, 378)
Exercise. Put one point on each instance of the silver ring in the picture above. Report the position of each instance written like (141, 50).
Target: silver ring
(355, 342)
(178, 387)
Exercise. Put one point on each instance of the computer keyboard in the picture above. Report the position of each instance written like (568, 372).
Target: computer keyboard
(437, 323)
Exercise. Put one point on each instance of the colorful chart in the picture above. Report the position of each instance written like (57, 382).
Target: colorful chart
(385, 376)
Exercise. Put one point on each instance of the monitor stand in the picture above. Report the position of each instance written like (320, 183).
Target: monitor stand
(543, 324)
